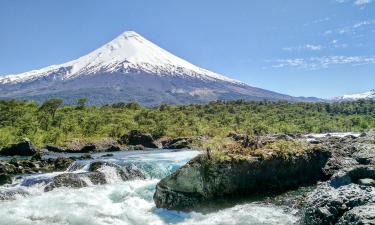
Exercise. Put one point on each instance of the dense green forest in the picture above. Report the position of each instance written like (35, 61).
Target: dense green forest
(55, 123)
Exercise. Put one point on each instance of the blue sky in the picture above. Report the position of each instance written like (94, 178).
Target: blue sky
(320, 48)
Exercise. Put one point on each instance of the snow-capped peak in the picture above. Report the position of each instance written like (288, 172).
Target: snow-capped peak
(128, 52)
(366, 95)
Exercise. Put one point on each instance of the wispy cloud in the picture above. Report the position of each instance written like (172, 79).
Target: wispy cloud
(315, 63)
(356, 2)
(334, 44)
(352, 29)
(309, 47)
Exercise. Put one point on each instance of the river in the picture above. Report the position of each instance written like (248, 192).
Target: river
(120, 202)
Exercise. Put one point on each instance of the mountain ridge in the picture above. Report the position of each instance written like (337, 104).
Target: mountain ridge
(131, 68)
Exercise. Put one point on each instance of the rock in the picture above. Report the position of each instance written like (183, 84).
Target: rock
(337, 163)
(96, 178)
(107, 155)
(72, 180)
(88, 148)
(365, 153)
(366, 182)
(61, 163)
(24, 148)
(113, 148)
(177, 143)
(136, 148)
(128, 172)
(5, 179)
(56, 149)
(203, 179)
(6, 195)
(362, 215)
(36, 157)
(328, 203)
(137, 138)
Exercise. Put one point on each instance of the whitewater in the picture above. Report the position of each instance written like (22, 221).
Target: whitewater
(120, 202)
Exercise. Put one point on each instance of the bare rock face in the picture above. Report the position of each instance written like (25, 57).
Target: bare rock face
(336, 199)
(204, 179)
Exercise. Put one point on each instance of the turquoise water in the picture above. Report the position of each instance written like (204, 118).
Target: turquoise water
(121, 202)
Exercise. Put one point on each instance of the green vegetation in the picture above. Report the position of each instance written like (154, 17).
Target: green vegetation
(55, 123)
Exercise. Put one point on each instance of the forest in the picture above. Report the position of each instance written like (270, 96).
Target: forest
(53, 122)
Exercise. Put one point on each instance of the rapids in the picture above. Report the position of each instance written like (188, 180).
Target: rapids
(118, 202)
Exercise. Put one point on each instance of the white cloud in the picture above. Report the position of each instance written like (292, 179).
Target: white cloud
(356, 2)
(314, 63)
(361, 26)
(309, 47)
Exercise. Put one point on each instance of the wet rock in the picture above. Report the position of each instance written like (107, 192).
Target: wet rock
(136, 148)
(203, 179)
(127, 172)
(6, 195)
(177, 143)
(96, 178)
(362, 215)
(135, 137)
(71, 180)
(24, 148)
(345, 191)
(61, 163)
(5, 179)
(107, 155)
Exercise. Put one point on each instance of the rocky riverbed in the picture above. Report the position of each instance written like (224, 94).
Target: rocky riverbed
(324, 179)
(339, 166)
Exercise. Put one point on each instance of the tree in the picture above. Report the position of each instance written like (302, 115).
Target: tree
(81, 103)
(48, 109)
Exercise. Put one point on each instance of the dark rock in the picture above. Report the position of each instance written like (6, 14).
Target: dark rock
(361, 215)
(138, 138)
(87, 148)
(136, 148)
(56, 149)
(62, 163)
(202, 179)
(177, 143)
(107, 155)
(328, 203)
(36, 157)
(97, 178)
(24, 148)
(71, 180)
(5, 179)
(113, 148)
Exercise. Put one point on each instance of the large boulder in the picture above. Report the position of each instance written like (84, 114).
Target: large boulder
(348, 189)
(24, 148)
(204, 179)
(136, 137)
